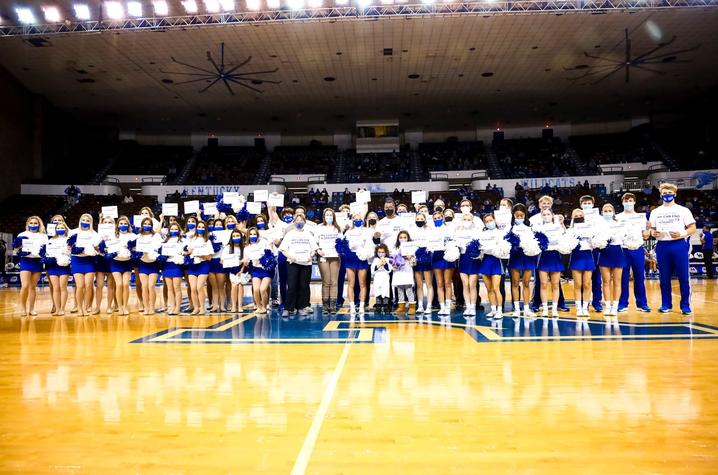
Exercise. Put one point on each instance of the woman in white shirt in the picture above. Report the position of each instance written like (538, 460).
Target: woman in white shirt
(58, 267)
(298, 246)
(422, 269)
(173, 267)
(235, 248)
(443, 270)
(491, 267)
(358, 238)
(217, 273)
(31, 243)
(147, 248)
(200, 250)
(550, 265)
(121, 263)
(611, 260)
(257, 248)
(84, 244)
(145, 212)
(327, 233)
(581, 264)
(464, 233)
(103, 271)
(521, 266)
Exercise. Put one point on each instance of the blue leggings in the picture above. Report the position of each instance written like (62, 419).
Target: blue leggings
(672, 259)
(636, 262)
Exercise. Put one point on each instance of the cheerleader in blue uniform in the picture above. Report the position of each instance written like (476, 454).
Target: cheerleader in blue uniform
(582, 264)
(147, 247)
(84, 242)
(57, 265)
(200, 250)
(145, 212)
(217, 273)
(235, 247)
(102, 270)
(491, 268)
(31, 248)
(520, 265)
(443, 270)
(173, 267)
(119, 250)
(56, 219)
(422, 268)
(550, 265)
(358, 237)
(468, 265)
(611, 260)
(261, 276)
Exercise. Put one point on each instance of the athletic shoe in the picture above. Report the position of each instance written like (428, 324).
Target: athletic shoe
(598, 308)
(686, 311)
(664, 309)
(564, 309)
(623, 309)
(645, 308)
(529, 313)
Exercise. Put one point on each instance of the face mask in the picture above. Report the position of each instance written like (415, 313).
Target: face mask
(231, 226)
(401, 210)
(261, 225)
(287, 219)
(174, 233)
(85, 225)
(54, 221)
(587, 207)
(519, 221)
(389, 211)
(33, 227)
(403, 240)
(547, 219)
(420, 224)
(60, 232)
(210, 228)
(372, 222)
(578, 220)
(299, 225)
(191, 226)
(147, 227)
(144, 215)
(252, 239)
(465, 210)
(238, 240)
(358, 223)
(438, 222)
(380, 255)
(608, 216)
(200, 232)
(629, 206)
(545, 206)
(467, 224)
(218, 228)
(449, 219)
(329, 219)
(491, 225)
(668, 198)
(507, 208)
(123, 227)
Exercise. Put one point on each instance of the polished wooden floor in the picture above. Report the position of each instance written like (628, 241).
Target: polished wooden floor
(78, 396)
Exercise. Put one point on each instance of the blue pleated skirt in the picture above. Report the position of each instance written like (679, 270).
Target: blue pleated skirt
(199, 269)
(351, 261)
(468, 265)
(520, 261)
(102, 264)
(438, 261)
(30, 264)
(121, 266)
(54, 269)
(170, 269)
(582, 260)
(491, 265)
(550, 261)
(215, 266)
(149, 267)
(82, 264)
(611, 256)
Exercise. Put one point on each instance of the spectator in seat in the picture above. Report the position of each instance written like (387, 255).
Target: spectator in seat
(73, 195)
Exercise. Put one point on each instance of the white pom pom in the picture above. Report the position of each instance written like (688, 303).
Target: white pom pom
(567, 243)
(63, 260)
(502, 249)
(530, 246)
(365, 253)
(234, 279)
(179, 260)
(452, 253)
(633, 241)
(124, 254)
(599, 241)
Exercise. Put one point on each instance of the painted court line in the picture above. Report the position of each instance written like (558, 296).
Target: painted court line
(300, 465)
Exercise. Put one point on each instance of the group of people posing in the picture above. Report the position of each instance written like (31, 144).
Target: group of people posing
(407, 259)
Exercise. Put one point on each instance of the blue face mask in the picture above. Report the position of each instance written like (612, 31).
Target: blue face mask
(123, 227)
(147, 228)
(358, 223)
(85, 225)
(329, 219)
(191, 226)
(438, 222)
(60, 232)
(33, 227)
(174, 233)
(608, 216)
(299, 225)
(54, 221)
(261, 225)
(587, 207)
(629, 206)
(491, 225)
(218, 228)
(210, 228)
(668, 198)
(200, 231)
(252, 239)
(287, 219)
(231, 226)
(238, 240)
(519, 221)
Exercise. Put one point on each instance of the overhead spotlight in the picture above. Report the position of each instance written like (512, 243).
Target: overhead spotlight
(363, 3)
(295, 4)
(114, 10)
(25, 15)
(314, 3)
(52, 14)
(427, 2)
(273, 4)
(212, 6)
(190, 6)
(161, 7)
(82, 11)
(134, 9)
(342, 2)
(254, 5)
(227, 5)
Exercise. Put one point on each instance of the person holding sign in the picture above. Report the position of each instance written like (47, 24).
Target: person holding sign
(671, 225)
(443, 270)
(255, 248)
(217, 274)
(147, 250)
(521, 266)
(84, 244)
(637, 231)
(57, 264)
(611, 260)
(173, 267)
(105, 230)
(403, 274)
(356, 264)
(422, 268)
(31, 248)
(464, 233)
(121, 263)
(546, 202)
(298, 246)
(550, 265)
(491, 267)
(279, 226)
(231, 260)
(200, 249)
(581, 264)
(327, 234)
(591, 216)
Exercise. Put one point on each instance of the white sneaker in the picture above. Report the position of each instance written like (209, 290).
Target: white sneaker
(419, 310)
(498, 316)
(529, 313)
(554, 313)
(490, 314)
(352, 309)
(517, 313)
(545, 312)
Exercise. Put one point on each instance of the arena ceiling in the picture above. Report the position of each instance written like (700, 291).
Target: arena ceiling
(432, 72)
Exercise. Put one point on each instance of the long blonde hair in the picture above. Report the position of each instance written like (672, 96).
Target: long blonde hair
(41, 229)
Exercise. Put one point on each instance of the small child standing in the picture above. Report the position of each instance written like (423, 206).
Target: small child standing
(381, 277)
(403, 277)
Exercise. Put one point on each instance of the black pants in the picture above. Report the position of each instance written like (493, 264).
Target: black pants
(298, 277)
(708, 263)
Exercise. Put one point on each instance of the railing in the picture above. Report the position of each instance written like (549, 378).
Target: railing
(661, 167)
(110, 181)
(316, 180)
(439, 176)
(277, 180)
(606, 169)
(152, 180)
(479, 175)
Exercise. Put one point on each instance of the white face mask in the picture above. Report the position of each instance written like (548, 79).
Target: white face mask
(467, 224)
(465, 210)
(329, 219)
(380, 255)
